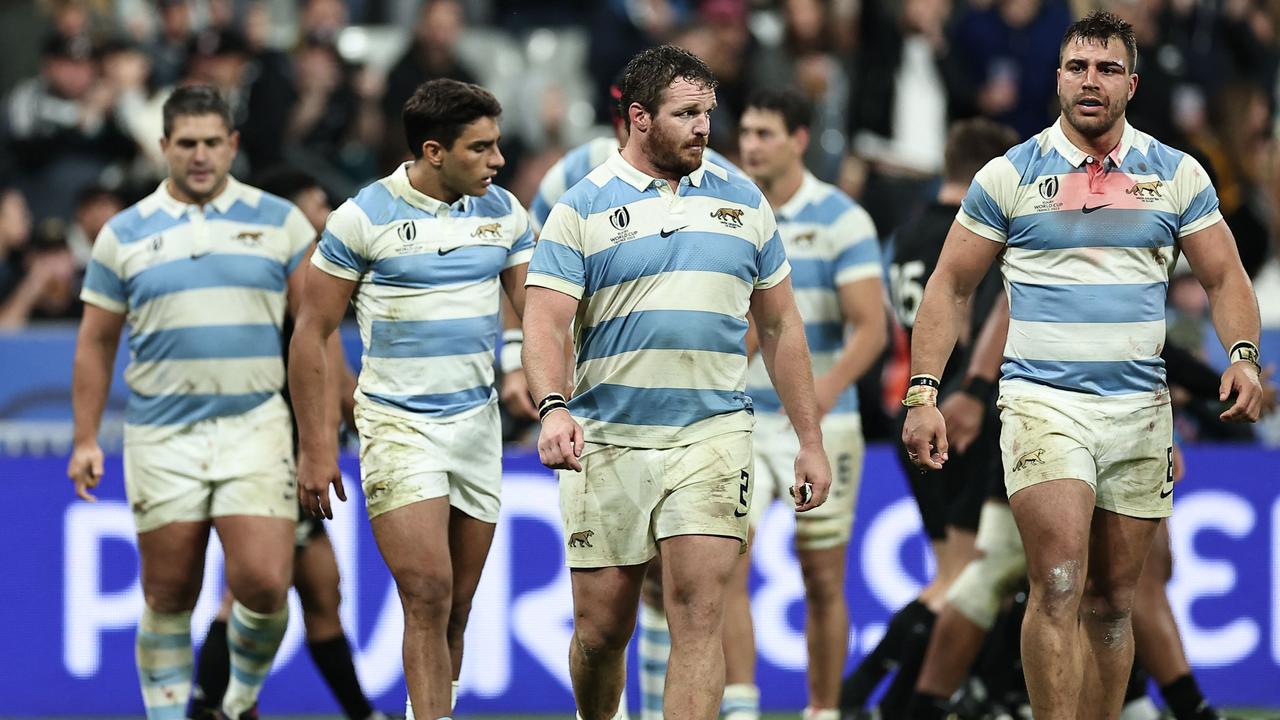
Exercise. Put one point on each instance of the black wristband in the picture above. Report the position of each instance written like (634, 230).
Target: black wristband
(928, 380)
(547, 407)
(551, 397)
(978, 387)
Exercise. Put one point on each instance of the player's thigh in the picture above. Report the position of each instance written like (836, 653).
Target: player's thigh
(255, 465)
(1135, 469)
(259, 555)
(403, 461)
(172, 564)
(469, 541)
(708, 490)
(830, 525)
(1053, 519)
(695, 575)
(605, 600)
(607, 509)
(1118, 547)
(473, 451)
(414, 542)
(170, 480)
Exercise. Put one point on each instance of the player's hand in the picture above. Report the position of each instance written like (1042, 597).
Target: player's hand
(813, 470)
(560, 441)
(315, 475)
(85, 469)
(1241, 380)
(925, 436)
(962, 414)
(515, 396)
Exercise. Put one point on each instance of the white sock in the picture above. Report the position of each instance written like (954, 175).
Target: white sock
(453, 701)
(622, 709)
(741, 702)
(162, 649)
(821, 714)
(654, 650)
(253, 639)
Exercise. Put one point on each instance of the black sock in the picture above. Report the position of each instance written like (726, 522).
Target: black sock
(1184, 698)
(865, 678)
(333, 659)
(894, 703)
(925, 707)
(213, 672)
(1137, 687)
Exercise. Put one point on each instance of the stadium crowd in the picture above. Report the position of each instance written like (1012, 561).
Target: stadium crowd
(317, 85)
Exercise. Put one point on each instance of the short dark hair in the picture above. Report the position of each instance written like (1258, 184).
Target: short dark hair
(973, 143)
(94, 192)
(286, 181)
(795, 109)
(648, 75)
(440, 109)
(189, 100)
(1101, 26)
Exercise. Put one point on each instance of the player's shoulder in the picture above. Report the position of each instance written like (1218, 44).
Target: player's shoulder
(141, 220)
(263, 208)
(720, 183)
(600, 190)
(497, 202)
(375, 203)
(1155, 157)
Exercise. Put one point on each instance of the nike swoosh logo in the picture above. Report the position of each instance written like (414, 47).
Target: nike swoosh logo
(442, 251)
(1086, 209)
(669, 233)
(1166, 493)
(738, 513)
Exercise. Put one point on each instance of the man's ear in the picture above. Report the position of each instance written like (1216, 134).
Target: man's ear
(640, 117)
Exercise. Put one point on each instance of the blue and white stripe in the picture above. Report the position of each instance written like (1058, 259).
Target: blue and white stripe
(830, 242)
(1087, 289)
(204, 293)
(665, 281)
(427, 305)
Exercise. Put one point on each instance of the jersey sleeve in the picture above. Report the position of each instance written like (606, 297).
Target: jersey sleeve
(299, 235)
(558, 262)
(771, 257)
(104, 278)
(343, 250)
(522, 248)
(988, 206)
(1196, 197)
(857, 247)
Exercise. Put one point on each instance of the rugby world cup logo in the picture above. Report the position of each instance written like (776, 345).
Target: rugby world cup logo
(620, 218)
(1048, 187)
(407, 232)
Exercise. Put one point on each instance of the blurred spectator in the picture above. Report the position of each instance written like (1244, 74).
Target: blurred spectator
(1166, 103)
(431, 55)
(721, 38)
(619, 29)
(336, 123)
(323, 19)
(31, 278)
(1237, 144)
(908, 81)
(168, 52)
(95, 205)
(298, 188)
(60, 127)
(1013, 48)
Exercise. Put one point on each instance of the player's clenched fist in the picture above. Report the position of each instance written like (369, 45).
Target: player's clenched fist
(925, 436)
(315, 475)
(560, 441)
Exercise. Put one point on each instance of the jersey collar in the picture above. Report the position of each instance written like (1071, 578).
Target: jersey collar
(1076, 156)
(805, 194)
(162, 200)
(631, 175)
(401, 186)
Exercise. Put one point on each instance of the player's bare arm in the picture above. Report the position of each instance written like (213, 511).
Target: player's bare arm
(546, 331)
(862, 303)
(96, 345)
(780, 331)
(1215, 260)
(515, 384)
(965, 259)
(963, 411)
(325, 300)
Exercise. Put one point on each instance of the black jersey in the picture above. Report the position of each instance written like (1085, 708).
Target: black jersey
(916, 246)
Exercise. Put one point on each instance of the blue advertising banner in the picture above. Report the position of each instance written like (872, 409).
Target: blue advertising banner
(71, 598)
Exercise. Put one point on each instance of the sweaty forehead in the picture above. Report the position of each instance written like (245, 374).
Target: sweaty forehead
(682, 92)
(1096, 50)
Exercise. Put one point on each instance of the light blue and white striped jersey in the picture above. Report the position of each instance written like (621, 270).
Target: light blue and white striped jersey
(427, 303)
(665, 281)
(1090, 242)
(570, 169)
(204, 293)
(830, 241)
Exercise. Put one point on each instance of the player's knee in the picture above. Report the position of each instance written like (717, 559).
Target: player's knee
(175, 598)
(427, 596)
(1056, 590)
(1108, 601)
(823, 585)
(458, 616)
(697, 609)
(604, 635)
